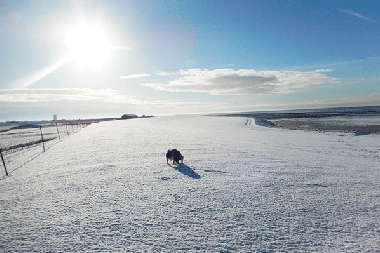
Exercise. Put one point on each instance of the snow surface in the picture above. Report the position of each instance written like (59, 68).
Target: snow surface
(243, 188)
(15, 137)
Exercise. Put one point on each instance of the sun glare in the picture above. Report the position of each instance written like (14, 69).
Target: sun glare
(88, 45)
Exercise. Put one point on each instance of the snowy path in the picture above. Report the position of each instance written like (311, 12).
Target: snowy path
(108, 188)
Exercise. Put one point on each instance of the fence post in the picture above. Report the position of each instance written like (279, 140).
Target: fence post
(42, 139)
(59, 137)
(2, 158)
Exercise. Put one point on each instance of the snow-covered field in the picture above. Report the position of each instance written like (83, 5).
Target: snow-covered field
(16, 137)
(243, 188)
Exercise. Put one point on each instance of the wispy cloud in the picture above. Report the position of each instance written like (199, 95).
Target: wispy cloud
(134, 76)
(359, 16)
(243, 81)
(364, 99)
(122, 48)
(108, 96)
(51, 95)
(163, 73)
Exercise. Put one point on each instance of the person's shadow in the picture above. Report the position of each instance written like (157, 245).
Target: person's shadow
(186, 170)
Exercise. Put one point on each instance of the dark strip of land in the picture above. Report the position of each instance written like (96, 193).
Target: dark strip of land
(272, 119)
(318, 126)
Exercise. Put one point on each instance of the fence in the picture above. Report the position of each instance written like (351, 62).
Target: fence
(22, 143)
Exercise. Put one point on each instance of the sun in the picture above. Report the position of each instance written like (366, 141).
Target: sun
(88, 46)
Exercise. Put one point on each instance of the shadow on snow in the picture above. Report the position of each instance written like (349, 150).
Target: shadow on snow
(186, 170)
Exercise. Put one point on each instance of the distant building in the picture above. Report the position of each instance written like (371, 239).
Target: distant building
(55, 117)
(129, 116)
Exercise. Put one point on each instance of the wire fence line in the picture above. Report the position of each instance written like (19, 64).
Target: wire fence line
(21, 144)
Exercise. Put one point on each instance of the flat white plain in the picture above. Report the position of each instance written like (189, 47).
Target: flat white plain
(243, 188)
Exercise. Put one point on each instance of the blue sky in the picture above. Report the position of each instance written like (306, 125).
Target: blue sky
(171, 57)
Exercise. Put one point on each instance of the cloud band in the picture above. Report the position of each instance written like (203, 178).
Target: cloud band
(243, 81)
